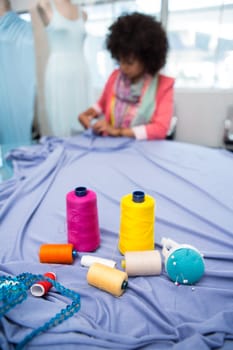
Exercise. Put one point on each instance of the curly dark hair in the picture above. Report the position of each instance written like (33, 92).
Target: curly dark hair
(141, 36)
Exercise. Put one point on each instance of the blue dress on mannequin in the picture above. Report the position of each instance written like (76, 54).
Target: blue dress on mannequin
(67, 82)
(17, 80)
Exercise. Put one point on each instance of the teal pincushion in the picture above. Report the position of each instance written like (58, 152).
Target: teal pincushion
(184, 264)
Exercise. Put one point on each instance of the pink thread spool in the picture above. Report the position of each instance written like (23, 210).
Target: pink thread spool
(82, 219)
(42, 287)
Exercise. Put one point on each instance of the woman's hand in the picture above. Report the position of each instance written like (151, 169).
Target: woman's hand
(86, 117)
(101, 127)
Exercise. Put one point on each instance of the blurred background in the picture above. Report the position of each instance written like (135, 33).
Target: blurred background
(200, 37)
(200, 59)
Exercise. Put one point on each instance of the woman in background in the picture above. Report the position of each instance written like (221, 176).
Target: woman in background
(137, 100)
(67, 83)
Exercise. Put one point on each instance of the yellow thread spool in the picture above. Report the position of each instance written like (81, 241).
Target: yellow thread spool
(107, 278)
(56, 253)
(137, 222)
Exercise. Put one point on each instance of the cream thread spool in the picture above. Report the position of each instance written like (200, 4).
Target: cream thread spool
(142, 263)
(88, 260)
(107, 278)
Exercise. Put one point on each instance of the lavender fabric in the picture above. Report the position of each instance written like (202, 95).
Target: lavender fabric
(192, 186)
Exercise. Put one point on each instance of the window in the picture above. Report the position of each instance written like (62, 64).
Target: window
(199, 33)
(101, 15)
(201, 43)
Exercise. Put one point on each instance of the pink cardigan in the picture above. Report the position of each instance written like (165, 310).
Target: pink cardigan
(160, 120)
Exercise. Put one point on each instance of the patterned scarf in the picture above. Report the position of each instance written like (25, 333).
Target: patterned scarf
(129, 98)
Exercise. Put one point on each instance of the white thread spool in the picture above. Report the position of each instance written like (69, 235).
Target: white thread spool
(142, 263)
(88, 260)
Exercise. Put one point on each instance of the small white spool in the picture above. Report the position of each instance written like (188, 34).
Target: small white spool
(88, 260)
(37, 290)
(143, 263)
(42, 287)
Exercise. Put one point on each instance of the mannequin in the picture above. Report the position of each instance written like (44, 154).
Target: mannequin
(67, 82)
(5, 6)
(65, 7)
(17, 77)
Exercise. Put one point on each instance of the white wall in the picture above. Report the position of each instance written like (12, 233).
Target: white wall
(201, 115)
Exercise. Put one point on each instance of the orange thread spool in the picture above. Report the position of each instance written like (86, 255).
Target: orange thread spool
(57, 253)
